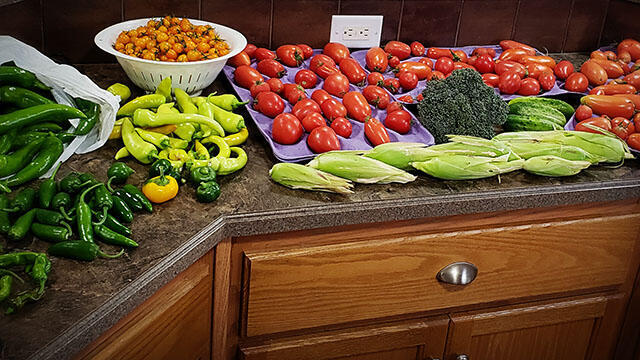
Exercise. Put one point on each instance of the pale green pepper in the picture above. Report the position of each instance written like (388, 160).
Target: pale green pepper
(147, 118)
(141, 102)
(164, 88)
(160, 140)
(136, 146)
(227, 102)
(201, 152)
(231, 123)
(231, 165)
(184, 102)
(223, 147)
(167, 108)
(206, 109)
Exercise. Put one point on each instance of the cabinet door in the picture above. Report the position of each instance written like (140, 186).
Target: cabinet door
(400, 341)
(563, 330)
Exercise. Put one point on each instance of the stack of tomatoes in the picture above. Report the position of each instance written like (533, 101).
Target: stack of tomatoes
(324, 114)
(617, 113)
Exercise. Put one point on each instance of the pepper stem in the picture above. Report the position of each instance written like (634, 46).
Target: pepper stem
(53, 176)
(66, 226)
(108, 256)
(104, 217)
(64, 214)
(9, 272)
(109, 183)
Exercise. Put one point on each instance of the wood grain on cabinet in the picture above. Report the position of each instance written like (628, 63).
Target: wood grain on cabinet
(422, 339)
(308, 287)
(174, 323)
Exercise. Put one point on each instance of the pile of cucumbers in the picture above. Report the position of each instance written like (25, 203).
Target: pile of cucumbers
(537, 114)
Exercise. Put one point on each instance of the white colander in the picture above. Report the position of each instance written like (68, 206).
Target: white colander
(191, 77)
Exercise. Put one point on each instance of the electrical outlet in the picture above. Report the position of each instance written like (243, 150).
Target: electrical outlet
(356, 31)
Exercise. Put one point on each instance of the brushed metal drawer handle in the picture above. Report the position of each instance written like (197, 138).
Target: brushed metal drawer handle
(458, 273)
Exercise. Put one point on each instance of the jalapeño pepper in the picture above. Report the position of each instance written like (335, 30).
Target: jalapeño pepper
(102, 200)
(22, 225)
(83, 213)
(21, 97)
(62, 202)
(23, 202)
(92, 111)
(49, 217)
(71, 183)
(136, 193)
(5, 224)
(111, 237)
(48, 189)
(121, 210)
(118, 173)
(113, 224)
(51, 233)
(133, 202)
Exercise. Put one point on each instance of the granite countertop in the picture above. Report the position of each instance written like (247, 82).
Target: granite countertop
(85, 299)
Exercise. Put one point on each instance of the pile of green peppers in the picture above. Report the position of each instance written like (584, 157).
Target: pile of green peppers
(36, 265)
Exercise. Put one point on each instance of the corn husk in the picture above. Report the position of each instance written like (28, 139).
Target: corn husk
(401, 154)
(359, 169)
(463, 167)
(529, 149)
(298, 176)
(550, 165)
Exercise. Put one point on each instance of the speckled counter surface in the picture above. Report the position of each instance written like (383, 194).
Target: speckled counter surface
(85, 299)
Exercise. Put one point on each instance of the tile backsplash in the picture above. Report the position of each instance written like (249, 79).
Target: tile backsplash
(64, 29)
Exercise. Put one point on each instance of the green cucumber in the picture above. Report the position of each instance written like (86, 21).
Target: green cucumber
(529, 123)
(566, 109)
(541, 110)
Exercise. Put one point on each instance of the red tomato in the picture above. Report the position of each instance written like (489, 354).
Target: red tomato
(323, 139)
(602, 122)
(258, 88)
(504, 66)
(444, 65)
(630, 46)
(398, 48)
(241, 59)
(406, 99)
(306, 78)
(323, 65)
(307, 51)
(491, 79)
(394, 106)
(246, 76)
(510, 44)
(375, 78)
(376, 132)
(376, 96)
(276, 85)
(286, 129)
(271, 68)
(577, 82)
(484, 64)
(354, 72)
(305, 107)
(538, 59)
(312, 121)
(622, 127)
(417, 49)
(612, 68)
(583, 112)
(472, 60)
(332, 109)
(612, 106)
(633, 79)
(437, 53)
(594, 72)
(290, 55)
(547, 80)
(535, 70)
(268, 103)
(563, 69)
(426, 61)
(376, 60)
(391, 84)
(336, 84)
(319, 96)
(634, 141)
(250, 49)
(293, 93)
(357, 106)
(408, 80)
(437, 75)
(263, 54)
(613, 89)
(624, 56)
(418, 68)
(336, 51)
(398, 121)
(342, 127)
(509, 82)
(635, 98)
(513, 54)
(394, 61)
(529, 87)
(460, 65)
(598, 55)
(482, 51)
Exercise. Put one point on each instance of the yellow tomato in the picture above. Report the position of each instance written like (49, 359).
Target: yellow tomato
(160, 189)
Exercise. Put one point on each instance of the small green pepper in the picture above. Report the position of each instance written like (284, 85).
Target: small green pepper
(71, 183)
(83, 221)
(102, 200)
(113, 224)
(23, 202)
(92, 110)
(227, 102)
(5, 287)
(22, 225)
(51, 233)
(202, 174)
(164, 88)
(62, 202)
(49, 217)
(121, 210)
(136, 193)
(111, 237)
(48, 189)
(87, 180)
(208, 192)
(51, 150)
(5, 223)
(120, 90)
(160, 166)
(118, 173)
(132, 201)
(79, 250)
(141, 102)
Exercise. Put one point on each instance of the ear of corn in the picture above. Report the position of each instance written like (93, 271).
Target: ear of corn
(298, 176)
(529, 149)
(550, 165)
(480, 145)
(359, 169)
(401, 154)
(463, 167)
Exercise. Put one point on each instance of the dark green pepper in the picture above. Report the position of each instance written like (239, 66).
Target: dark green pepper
(21, 97)
(51, 233)
(113, 224)
(92, 110)
(111, 237)
(118, 173)
(22, 225)
(43, 127)
(174, 173)
(202, 174)
(27, 138)
(12, 163)
(88, 180)
(79, 250)
(102, 200)
(121, 210)
(133, 202)
(136, 193)
(47, 156)
(65, 137)
(71, 183)
(48, 189)
(37, 114)
(83, 214)
(62, 202)
(5, 223)
(38, 269)
(23, 201)
(13, 75)
(7, 140)
(159, 167)
(49, 217)
(208, 192)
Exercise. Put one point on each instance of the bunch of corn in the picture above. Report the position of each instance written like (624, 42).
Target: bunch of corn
(467, 167)
(360, 169)
(550, 165)
(401, 154)
(297, 176)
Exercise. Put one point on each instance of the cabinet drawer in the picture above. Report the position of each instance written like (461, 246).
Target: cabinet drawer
(316, 286)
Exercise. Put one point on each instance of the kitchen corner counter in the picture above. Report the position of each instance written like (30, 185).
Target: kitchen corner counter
(83, 300)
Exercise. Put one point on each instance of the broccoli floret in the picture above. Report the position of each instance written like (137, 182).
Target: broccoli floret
(461, 104)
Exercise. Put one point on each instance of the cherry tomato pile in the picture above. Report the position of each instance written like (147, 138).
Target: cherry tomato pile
(326, 94)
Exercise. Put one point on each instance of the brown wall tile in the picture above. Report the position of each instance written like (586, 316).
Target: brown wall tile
(135, 9)
(585, 25)
(390, 9)
(297, 21)
(71, 25)
(542, 23)
(486, 21)
(623, 20)
(254, 26)
(434, 23)
(23, 20)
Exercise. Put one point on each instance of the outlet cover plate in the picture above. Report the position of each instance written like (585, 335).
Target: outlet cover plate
(356, 31)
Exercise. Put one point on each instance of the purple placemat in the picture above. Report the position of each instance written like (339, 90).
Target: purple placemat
(300, 151)
(571, 125)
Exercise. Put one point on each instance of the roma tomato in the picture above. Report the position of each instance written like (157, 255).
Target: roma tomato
(622, 127)
(417, 49)
(542, 60)
(472, 60)
(357, 106)
(263, 54)
(375, 78)
(354, 72)
(612, 106)
(332, 109)
(394, 61)
(613, 89)
(624, 56)
(293, 93)
(634, 98)
(241, 59)
(598, 55)
(563, 69)
(529, 87)
(594, 72)
(602, 122)
(271, 68)
(268, 103)
(437, 75)
(484, 64)
(634, 141)
(305, 107)
(513, 54)
(460, 65)
(509, 82)
(535, 70)
(376, 96)
(376, 60)
(306, 78)
(491, 79)
(630, 46)
(398, 48)
(504, 66)
(336, 84)
(342, 127)
(583, 112)
(394, 106)
(421, 70)
(398, 121)
(336, 51)
(613, 69)
(275, 85)
(312, 121)
(376, 132)
(250, 49)
(444, 65)
(391, 84)
(633, 79)
(323, 139)
(323, 65)
(547, 80)
(307, 51)
(290, 55)
(482, 51)
(319, 96)
(510, 44)
(577, 82)
(426, 61)
(286, 129)
(258, 88)
(246, 76)
(408, 80)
